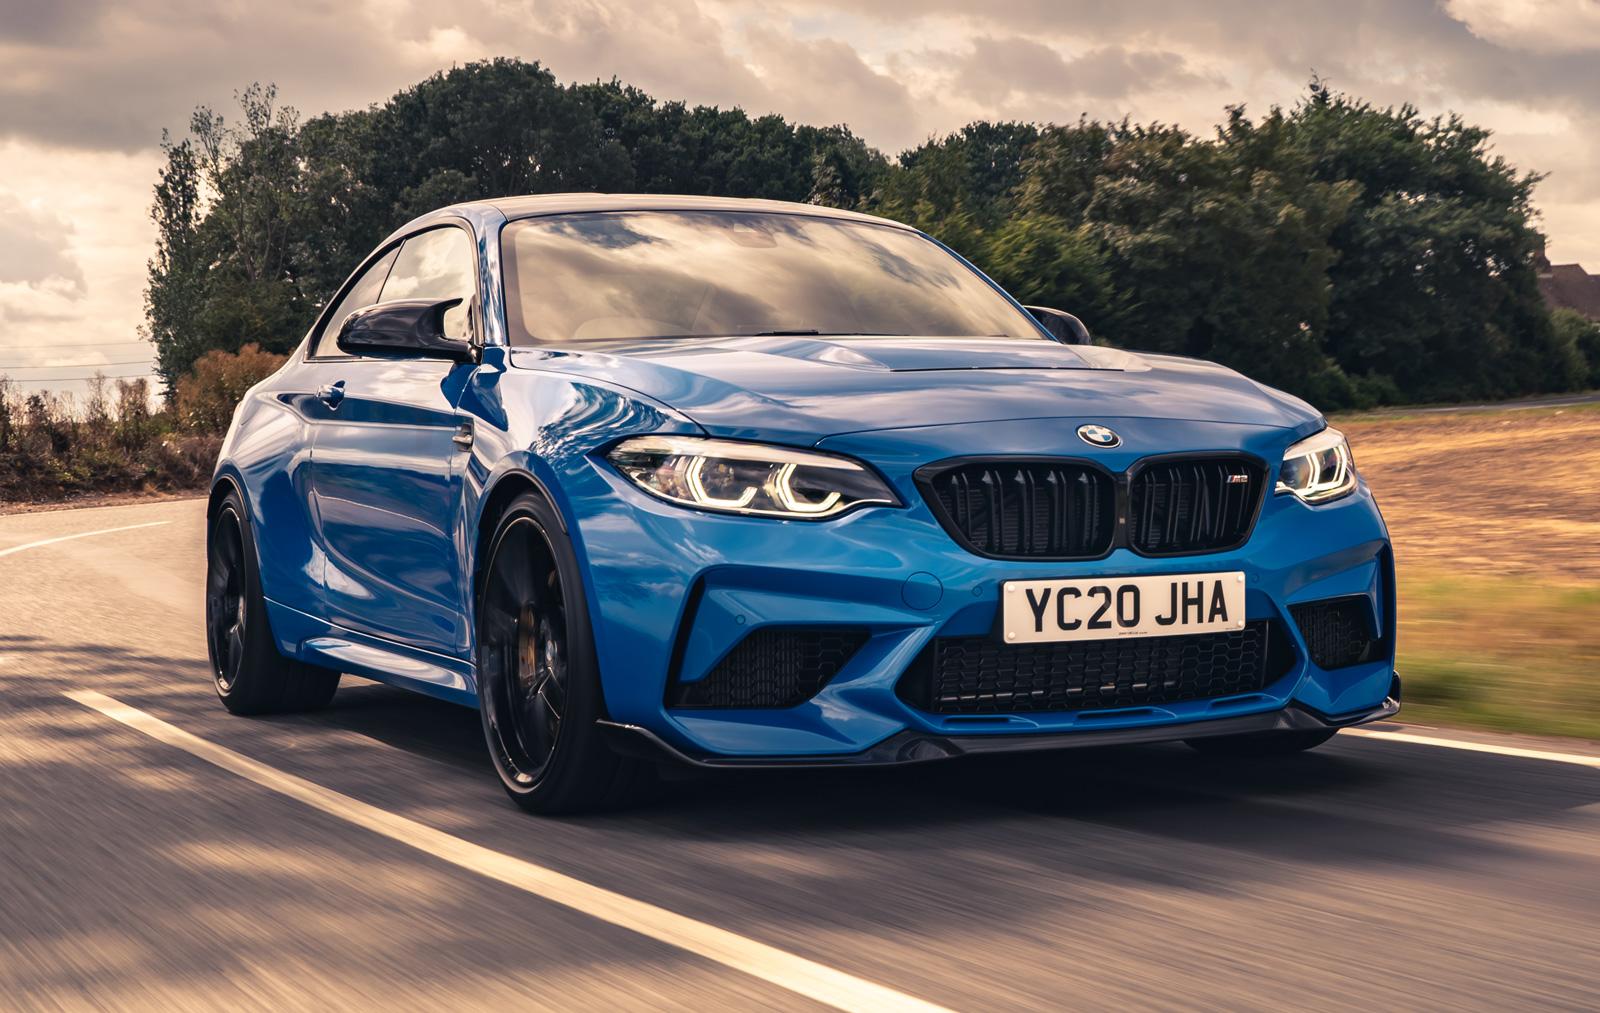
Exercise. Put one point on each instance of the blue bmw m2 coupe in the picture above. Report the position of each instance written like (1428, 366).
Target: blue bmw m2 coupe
(742, 483)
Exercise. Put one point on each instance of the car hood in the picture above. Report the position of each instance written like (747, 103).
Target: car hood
(803, 389)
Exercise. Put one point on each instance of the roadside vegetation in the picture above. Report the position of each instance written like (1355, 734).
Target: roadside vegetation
(54, 447)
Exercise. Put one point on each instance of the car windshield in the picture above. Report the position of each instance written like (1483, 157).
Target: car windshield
(636, 275)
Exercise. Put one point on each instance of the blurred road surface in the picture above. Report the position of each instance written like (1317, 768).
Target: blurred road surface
(133, 874)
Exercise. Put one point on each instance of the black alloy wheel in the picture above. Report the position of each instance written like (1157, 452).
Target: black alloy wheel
(248, 672)
(524, 649)
(226, 612)
(538, 681)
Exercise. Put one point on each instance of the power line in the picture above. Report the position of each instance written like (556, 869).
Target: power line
(55, 379)
(87, 344)
(73, 365)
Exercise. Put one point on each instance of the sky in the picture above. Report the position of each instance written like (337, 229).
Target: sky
(88, 86)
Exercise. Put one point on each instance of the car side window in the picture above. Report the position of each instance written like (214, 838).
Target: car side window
(359, 296)
(437, 264)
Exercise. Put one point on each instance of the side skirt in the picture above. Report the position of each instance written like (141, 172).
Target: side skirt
(321, 643)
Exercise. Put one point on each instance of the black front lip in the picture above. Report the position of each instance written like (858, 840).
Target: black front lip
(912, 746)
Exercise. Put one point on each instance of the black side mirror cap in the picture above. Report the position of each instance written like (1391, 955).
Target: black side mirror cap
(410, 328)
(1063, 326)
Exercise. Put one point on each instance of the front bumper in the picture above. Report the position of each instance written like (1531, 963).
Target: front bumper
(673, 590)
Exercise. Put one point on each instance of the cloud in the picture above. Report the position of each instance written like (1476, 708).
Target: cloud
(49, 302)
(1000, 70)
(35, 248)
(1537, 26)
(77, 235)
(826, 82)
(133, 68)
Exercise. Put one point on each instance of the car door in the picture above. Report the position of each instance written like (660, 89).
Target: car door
(386, 467)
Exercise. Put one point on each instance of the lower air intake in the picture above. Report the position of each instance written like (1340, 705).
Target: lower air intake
(1338, 631)
(780, 666)
(979, 675)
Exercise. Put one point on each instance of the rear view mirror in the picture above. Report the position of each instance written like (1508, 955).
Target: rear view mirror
(412, 328)
(1063, 326)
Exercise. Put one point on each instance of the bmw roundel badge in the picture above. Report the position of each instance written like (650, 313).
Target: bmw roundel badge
(1099, 436)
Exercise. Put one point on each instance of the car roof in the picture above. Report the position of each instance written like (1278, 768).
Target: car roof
(535, 205)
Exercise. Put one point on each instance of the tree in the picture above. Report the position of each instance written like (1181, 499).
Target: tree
(1434, 294)
(1572, 330)
(1348, 253)
(176, 291)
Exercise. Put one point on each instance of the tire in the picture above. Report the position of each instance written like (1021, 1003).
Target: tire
(247, 671)
(538, 681)
(1262, 743)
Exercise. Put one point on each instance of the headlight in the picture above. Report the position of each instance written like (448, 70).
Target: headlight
(748, 478)
(1318, 468)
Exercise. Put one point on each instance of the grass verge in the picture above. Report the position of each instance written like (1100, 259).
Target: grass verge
(1508, 654)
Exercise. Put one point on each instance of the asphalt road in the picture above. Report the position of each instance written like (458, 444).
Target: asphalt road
(135, 873)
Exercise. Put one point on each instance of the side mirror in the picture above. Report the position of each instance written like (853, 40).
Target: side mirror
(413, 328)
(1063, 326)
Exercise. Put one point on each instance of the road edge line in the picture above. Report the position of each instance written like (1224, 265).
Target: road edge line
(779, 967)
(1577, 759)
(82, 534)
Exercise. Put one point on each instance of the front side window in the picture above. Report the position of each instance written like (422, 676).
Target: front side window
(637, 275)
(363, 292)
(437, 264)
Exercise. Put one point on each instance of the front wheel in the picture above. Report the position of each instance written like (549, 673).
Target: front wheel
(1262, 743)
(538, 681)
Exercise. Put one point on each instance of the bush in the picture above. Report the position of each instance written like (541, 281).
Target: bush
(1578, 332)
(55, 447)
(208, 395)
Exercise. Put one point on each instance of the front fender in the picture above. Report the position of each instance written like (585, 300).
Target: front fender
(541, 431)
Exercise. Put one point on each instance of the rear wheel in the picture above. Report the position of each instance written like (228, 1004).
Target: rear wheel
(250, 675)
(1262, 743)
(538, 682)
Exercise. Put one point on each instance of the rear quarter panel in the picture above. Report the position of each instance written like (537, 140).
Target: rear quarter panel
(267, 453)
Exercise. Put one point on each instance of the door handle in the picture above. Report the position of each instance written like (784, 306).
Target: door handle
(463, 436)
(332, 393)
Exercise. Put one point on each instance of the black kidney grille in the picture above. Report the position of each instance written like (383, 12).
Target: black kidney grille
(1338, 631)
(980, 675)
(777, 666)
(1028, 509)
(1195, 505)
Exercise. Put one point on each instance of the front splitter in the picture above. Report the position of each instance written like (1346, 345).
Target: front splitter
(911, 746)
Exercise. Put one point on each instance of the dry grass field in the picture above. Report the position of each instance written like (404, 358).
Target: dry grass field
(1495, 516)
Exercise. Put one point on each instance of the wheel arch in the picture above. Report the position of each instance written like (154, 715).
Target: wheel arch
(493, 504)
(220, 487)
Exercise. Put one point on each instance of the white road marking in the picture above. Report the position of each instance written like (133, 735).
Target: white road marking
(81, 534)
(797, 974)
(1475, 747)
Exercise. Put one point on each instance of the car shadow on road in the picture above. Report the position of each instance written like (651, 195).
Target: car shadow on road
(1349, 801)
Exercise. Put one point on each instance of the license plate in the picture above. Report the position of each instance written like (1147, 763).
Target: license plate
(1103, 608)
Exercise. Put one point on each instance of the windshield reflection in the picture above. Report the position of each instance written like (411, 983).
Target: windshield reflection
(630, 275)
